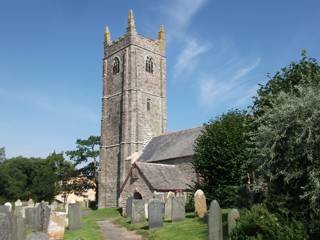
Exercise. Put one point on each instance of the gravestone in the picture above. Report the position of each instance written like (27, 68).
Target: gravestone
(30, 203)
(6, 224)
(168, 209)
(42, 216)
(9, 205)
(19, 224)
(129, 207)
(178, 209)
(137, 213)
(54, 206)
(200, 203)
(37, 236)
(215, 221)
(146, 210)
(30, 215)
(74, 215)
(155, 209)
(56, 226)
(233, 215)
(18, 203)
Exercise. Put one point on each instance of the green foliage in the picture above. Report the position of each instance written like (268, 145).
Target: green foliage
(220, 157)
(306, 72)
(285, 142)
(26, 178)
(2, 154)
(258, 223)
(85, 159)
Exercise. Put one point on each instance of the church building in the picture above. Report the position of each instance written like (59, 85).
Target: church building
(138, 158)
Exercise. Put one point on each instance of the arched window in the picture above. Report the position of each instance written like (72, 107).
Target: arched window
(116, 66)
(149, 65)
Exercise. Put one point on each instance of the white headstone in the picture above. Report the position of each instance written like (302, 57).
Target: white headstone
(9, 205)
(18, 203)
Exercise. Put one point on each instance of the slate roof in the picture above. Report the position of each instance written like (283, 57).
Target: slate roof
(163, 176)
(170, 145)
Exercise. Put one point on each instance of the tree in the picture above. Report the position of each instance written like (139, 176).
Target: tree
(2, 154)
(286, 153)
(306, 72)
(220, 157)
(85, 159)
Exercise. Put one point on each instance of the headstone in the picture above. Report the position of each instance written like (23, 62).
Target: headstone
(30, 215)
(6, 223)
(38, 236)
(170, 194)
(30, 203)
(168, 209)
(74, 215)
(200, 203)
(178, 209)
(18, 203)
(155, 209)
(233, 215)
(146, 210)
(137, 214)
(19, 224)
(129, 208)
(9, 205)
(54, 206)
(215, 221)
(56, 226)
(42, 217)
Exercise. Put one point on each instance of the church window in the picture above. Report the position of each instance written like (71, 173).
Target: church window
(116, 66)
(148, 104)
(149, 65)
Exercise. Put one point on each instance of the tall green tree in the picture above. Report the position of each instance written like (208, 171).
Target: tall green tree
(220, 157)
(85, 159)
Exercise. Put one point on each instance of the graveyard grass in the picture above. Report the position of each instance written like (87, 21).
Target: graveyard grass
(191, 228)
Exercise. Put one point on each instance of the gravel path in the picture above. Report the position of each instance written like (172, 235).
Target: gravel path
(113, 232)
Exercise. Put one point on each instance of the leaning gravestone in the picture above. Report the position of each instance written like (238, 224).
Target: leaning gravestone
(233, 215)
(30, 203)
(6, 224)
(155, 209)
(168, 209)
(37, 236)
(215, 221)
(74, 215)
(178, 209)
(137, 214)
(129, 207)
(200, 203)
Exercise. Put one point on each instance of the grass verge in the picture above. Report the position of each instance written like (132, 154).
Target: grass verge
(89, 228)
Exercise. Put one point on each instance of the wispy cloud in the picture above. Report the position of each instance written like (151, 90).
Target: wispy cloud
(189, 56)
(232, 86)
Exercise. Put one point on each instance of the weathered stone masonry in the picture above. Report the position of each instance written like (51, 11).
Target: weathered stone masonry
(134, 105)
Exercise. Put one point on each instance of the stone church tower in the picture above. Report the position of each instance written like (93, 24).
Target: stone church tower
(133, 104)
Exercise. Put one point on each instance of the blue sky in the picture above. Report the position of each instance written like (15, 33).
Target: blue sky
(217, 53)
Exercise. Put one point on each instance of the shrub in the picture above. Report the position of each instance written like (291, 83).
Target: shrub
(258, 223)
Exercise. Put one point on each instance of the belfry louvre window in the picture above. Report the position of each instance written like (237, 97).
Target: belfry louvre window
(148, 104)
(149, 65)
(116, 66)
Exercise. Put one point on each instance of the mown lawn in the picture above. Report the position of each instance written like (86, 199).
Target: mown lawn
(89, 228)
(191, 228)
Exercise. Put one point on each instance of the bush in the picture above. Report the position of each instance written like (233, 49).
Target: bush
(258, 223)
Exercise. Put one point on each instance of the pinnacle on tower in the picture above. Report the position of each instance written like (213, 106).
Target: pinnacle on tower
(107, 37)
(131, 25)
(161, 33)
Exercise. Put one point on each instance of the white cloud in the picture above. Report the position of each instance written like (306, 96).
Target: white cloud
(189, 56)
(235, 87)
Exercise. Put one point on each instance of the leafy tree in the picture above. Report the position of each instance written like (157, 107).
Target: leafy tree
(286, 153)
(85, 159)
(306, 72)
(65, 172)
(220, 157)
(2, 154)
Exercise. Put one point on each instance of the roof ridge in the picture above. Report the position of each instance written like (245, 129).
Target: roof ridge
(181, 130)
